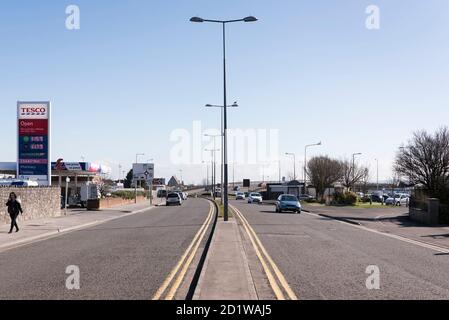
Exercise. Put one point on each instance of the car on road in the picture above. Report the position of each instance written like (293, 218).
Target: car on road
(288, 202)
(173, 198)
(398, 200)
(255, 197)
(240, 196)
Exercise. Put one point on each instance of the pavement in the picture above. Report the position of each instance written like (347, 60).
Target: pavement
(125, 258)
(323, 258)
(226, 274)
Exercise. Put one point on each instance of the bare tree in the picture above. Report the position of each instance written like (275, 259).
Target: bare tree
(365, 179)
(324, 172)
(353, 173)
(425, 160)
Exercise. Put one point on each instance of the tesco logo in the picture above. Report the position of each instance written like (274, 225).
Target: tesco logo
(33, 110)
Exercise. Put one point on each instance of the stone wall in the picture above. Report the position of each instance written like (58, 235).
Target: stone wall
(36, 203)
(115, 202)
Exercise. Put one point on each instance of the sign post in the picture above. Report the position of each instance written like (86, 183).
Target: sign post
(33, 142)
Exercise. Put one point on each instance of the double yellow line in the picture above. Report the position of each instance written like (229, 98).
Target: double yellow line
(275, 277)
(171, 285)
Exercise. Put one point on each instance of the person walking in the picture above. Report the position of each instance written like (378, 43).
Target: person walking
(14, 208)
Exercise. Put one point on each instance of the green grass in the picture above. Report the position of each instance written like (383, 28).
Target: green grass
(221, 210)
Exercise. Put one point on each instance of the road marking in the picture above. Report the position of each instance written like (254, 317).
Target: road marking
(393, 236)
(183, 263)
(258, 244)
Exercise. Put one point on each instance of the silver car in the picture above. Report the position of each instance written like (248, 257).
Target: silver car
(173, 198)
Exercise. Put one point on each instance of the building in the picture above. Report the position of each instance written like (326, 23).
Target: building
(79, 173)
(174, 182)
(274, 190)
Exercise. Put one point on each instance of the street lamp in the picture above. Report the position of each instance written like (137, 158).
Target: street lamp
(377, 173)
(305, 162)
(207, 174)
(225, 104)
(294, 163)
(134, 175)
(213, 168)
(215, 136)
(353, 166)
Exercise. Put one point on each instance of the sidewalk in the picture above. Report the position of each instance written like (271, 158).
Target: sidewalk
(226, 274)
(38, 229)
(388, 220)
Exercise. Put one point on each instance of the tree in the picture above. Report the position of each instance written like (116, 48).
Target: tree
(129, 179)
(353, 173)
(324, 172)
(365, 180)
(425, 160)
(104, 186)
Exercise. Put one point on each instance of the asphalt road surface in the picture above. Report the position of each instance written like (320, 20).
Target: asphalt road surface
(128, 258)
(327, 259)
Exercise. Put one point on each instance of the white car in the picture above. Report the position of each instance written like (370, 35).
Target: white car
(398, 200)
(255, 197)
(173, 198)
(240, 196)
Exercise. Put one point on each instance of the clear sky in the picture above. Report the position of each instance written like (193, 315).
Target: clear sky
(137, 70)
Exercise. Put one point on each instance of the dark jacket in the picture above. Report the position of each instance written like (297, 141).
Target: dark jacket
(14, 207)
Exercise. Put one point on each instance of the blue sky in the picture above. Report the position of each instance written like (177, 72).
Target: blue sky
(137, 70)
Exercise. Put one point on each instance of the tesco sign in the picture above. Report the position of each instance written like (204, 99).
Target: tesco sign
(33, 111)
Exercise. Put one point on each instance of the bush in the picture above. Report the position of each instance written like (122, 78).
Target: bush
(127, 194)
(345, 198)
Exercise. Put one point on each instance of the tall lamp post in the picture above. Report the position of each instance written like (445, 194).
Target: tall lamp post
(225, 120)
(305, 161)
(213, 136)
(213, 168)
(353, 167)
(207, 173)
(294, 163)
(377, 173)
(134, 174)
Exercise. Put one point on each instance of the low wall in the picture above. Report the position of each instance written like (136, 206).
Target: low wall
(428, 215)
(115, 202)
(36, 203)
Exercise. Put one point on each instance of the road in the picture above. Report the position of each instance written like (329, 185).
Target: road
(323, 258)
(128, 258)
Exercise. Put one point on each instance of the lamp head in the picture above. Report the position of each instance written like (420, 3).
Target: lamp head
(250, 19)
(196, 19)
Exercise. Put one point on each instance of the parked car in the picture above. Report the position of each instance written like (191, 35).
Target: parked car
(305, 197)
(288, 202)
(240, 196)
(398, 200)
(255, 197)
(246, 194)
(173, 198)
(376, 198)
